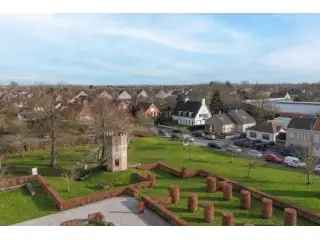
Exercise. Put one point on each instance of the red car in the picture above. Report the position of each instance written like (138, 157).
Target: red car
(272, 157)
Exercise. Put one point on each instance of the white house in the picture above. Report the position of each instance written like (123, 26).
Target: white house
(264, 132)
(191, 113)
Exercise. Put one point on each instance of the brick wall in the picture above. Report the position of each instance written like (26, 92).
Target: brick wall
(163, 212)
(14, 181)
(304, 213)
(59, 202)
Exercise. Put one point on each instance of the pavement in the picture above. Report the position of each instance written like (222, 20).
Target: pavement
(121, 211)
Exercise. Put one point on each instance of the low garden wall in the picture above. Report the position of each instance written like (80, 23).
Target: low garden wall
(14, 181)
(303, 213)
(163, 212)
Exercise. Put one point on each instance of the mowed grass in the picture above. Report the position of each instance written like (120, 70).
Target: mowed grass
(109, 180)
(18, 205)
(285, 183)
(197, 185)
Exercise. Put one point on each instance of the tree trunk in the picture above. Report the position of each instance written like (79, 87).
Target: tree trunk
(53, 152)
(103, 151)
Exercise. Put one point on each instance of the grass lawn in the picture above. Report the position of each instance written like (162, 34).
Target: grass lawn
(67, 157)
(198, 185)
(17, 205)
(287, 184)
(90, 185)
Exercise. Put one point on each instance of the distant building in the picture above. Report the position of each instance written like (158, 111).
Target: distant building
(265, 132)
(219, 124)
(142, 94)
(302, 132)
(241, 119)
(149, 110)
(191, 113)
(124, 96)
(104, 94)
(85, 114)
(162, 94)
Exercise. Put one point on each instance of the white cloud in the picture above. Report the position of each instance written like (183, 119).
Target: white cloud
(304, 58)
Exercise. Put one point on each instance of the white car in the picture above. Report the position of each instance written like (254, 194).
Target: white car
(317, 168)
(293, 162)
(234, 148)
(255, 153)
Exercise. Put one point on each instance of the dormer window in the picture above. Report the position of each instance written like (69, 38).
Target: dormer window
(190, 114)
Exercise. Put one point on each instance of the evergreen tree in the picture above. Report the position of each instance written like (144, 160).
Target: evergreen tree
(216, 104)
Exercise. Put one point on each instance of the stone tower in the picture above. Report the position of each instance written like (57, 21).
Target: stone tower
(117, 146)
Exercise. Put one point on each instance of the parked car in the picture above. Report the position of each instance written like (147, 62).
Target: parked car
(234, 148)
(254, 153)
(164, 133)
(216, 145)
(294, 162)
(210, 136)
(197, 134)
(273, 157)
(317, 168)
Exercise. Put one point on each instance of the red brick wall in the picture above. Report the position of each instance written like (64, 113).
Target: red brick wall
(163, 212)
(14, 181)
(304, 213)
(55, 195)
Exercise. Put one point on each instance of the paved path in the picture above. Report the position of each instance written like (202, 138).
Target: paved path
(119, 210)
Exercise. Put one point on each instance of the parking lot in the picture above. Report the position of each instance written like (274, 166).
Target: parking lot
(272, 153)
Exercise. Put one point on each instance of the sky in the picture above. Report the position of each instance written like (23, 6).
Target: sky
(124, 49)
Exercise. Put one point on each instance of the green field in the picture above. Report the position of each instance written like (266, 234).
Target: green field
(283, 182)
(287, 184)
(198, 185)
(17, 205)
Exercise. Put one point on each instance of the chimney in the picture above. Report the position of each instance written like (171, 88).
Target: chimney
(203, 101)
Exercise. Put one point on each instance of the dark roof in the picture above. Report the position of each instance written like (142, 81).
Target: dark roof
(222, 118)
(264, 127)
(240, 116)
(189, 106)
(306, 123)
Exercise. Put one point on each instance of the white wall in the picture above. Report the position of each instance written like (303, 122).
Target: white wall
(272, 136)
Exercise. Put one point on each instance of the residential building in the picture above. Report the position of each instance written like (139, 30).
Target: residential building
(150, 110)
(241, 119)
(304, 131)
(265, 132)
(124, 96)
(191, 113)
(219, 124)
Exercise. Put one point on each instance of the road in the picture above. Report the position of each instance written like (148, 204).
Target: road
(121, 211)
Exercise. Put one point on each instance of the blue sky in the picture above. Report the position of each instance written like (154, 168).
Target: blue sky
(159, 49)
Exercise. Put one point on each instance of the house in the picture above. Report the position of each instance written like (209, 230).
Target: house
(241, 119)
(191, 113)
(219, 124)
(80, 97)
(124, 96)
(150, 110)
(265, 132)
(105, 95)
(162, 94)
(303, 131)
(142, 94)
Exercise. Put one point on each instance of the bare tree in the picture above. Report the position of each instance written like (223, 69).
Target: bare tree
(109, 117)
(47, 116)
(310, 160)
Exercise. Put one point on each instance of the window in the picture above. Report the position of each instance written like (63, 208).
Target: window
(265, 136)
(117, 162)
(203, 115)
(253, 134)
